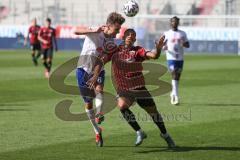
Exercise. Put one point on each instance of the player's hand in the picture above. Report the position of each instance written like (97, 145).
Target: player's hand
(159, 44)
(92, 82)
(104, 57)
(45, 42)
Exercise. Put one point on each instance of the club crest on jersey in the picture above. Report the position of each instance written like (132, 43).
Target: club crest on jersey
(132, 52)
(109, 46)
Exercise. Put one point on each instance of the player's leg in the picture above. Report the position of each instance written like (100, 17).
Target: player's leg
(124, 102)
(33, 49)
(45, 64)
(175, 82)
(174, 70)
(91, 116)
(99, 97)
(171, 70)
(149, 106)
(176, 74)
(38, 49)
(49, 59)
(88, 95)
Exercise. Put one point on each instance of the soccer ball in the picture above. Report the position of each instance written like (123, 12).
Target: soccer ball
(131, 8)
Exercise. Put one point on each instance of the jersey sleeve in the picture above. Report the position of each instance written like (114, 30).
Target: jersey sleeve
(92, 36)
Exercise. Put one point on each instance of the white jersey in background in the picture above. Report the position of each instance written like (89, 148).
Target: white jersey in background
(174, 48)
(93, 45)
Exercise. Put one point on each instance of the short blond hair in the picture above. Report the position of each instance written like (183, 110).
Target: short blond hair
(115, 17)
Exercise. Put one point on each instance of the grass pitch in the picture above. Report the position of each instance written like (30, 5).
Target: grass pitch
(205, 126)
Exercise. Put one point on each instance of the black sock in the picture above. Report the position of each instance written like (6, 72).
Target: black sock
(157, 119)
(33, 56)
(38, 55)
(45, 65)
(130, 118)
(49, 66)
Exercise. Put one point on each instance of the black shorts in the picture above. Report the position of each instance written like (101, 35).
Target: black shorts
(47, 53)
(35, 47)
(139, 95)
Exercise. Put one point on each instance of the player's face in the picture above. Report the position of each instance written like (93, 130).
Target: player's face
(130, 39)
(47, 23)
(174, 23)
(113, 29)
(34, 22)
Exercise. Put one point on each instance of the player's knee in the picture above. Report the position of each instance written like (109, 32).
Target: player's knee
(88, 106)
(99, 89)
(177, 77)
(122, 104)
(174, 75)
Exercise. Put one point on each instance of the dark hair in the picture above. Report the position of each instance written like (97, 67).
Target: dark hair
(127, 32)
(48, 20)
(175, 17)
(115, 17)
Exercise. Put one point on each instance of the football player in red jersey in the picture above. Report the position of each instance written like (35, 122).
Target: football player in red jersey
(47, 36)
(129, 83)
(34, 42)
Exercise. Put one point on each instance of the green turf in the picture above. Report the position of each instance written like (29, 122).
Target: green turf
(205, 126)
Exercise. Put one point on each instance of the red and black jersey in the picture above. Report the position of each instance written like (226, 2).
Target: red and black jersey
(127, 68)
(33, 34)
(47, 34)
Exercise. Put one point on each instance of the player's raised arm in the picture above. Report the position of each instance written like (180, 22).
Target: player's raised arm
(86, 30)
(154, 54)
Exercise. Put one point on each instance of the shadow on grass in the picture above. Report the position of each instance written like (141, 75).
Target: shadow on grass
(12, 110)
(188, 149)
(213, 104)
(13, 104)
(5, 105)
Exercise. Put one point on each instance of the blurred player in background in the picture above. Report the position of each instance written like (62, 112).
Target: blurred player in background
(34, 42)
(176, 41)
(98, 41)
(130, 84)
(47, 36)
